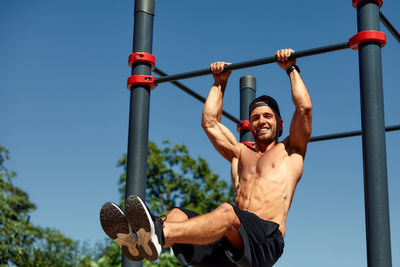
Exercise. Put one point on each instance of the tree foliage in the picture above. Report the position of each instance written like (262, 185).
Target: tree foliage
(174, 179)
(22, 243)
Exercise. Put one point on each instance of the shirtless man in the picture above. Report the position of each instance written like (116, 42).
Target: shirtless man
(249, 233)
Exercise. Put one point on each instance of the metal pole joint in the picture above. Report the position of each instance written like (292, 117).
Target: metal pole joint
(367, 36)
(146, 6)
(142, 57)
(244, 126)
(356, 2)
(143, 80)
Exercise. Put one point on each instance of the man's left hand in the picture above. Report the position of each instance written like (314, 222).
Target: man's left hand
(282, 57)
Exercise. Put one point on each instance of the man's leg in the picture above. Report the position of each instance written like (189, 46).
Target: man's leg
(213, 254)
(154, 233)
(203, 229)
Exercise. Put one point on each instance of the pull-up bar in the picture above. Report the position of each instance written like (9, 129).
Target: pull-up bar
(269, 60)
(239, 122)
(253, 63)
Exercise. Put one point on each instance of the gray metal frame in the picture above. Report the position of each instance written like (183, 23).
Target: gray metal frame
(136, 168)
(247, 85)
(373, 140)
(372, 116)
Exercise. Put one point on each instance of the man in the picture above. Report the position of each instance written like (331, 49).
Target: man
(249, 233)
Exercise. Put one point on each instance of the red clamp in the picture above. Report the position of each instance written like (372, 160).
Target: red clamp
(143, 58)
(245, 126)
(249, 144)
(367, 36)
(145, 80)
(356, 2)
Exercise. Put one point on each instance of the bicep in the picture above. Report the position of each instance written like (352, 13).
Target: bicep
(300, 130)
(223, 140)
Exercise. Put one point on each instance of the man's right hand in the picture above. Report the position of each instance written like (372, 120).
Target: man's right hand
(220, 76)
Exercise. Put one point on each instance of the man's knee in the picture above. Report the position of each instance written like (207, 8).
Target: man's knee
(176, 215)
(225, 207)
(228, 213)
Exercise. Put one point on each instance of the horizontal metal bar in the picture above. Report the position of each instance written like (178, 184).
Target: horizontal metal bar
(348, 134)
(239, 122)
(253, 63)
(389, 26)
(196, 95)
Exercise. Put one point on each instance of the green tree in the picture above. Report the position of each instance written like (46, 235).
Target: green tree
(174, 179)
(22, 243)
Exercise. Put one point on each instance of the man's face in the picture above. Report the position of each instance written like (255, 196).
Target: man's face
(263, 124)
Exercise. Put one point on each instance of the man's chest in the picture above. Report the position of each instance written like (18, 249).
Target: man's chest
(252, 164)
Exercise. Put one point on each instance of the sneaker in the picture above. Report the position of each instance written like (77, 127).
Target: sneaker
(148, 228)
(116, 226)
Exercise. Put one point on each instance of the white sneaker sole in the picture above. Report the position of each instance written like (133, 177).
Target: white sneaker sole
(116, 226)
(142, 224)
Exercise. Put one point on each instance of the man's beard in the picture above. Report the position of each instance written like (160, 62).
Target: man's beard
(267, 138)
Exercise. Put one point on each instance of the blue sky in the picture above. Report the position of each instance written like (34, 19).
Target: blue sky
(64, 106)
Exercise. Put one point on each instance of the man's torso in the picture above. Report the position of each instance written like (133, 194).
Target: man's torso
(265, 182)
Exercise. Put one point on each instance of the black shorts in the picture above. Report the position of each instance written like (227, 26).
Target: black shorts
(263, 245)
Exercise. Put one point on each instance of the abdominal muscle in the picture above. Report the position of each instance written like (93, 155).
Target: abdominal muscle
(266, 204)
(265, 187)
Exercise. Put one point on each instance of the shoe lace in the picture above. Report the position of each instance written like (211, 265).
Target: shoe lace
(162, 219)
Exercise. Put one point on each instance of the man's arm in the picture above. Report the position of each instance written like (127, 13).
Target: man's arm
(301, 125)
(220, 136)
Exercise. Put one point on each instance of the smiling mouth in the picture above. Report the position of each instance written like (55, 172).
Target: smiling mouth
(262, 130)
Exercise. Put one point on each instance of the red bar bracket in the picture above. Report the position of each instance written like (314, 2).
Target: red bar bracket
(249, 144)
(142, 57)
(145, 80)
(367, 36)
(245, 126)
(356, 2)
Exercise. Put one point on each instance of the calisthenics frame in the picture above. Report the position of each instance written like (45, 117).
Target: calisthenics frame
(372, 117)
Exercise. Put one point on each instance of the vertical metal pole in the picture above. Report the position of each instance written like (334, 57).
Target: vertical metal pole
(139, 108)
(373, 138)
(247, 94)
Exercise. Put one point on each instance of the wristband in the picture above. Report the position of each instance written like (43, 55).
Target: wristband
(291, 68)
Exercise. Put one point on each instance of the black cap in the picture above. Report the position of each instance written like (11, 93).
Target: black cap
(266, 101)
